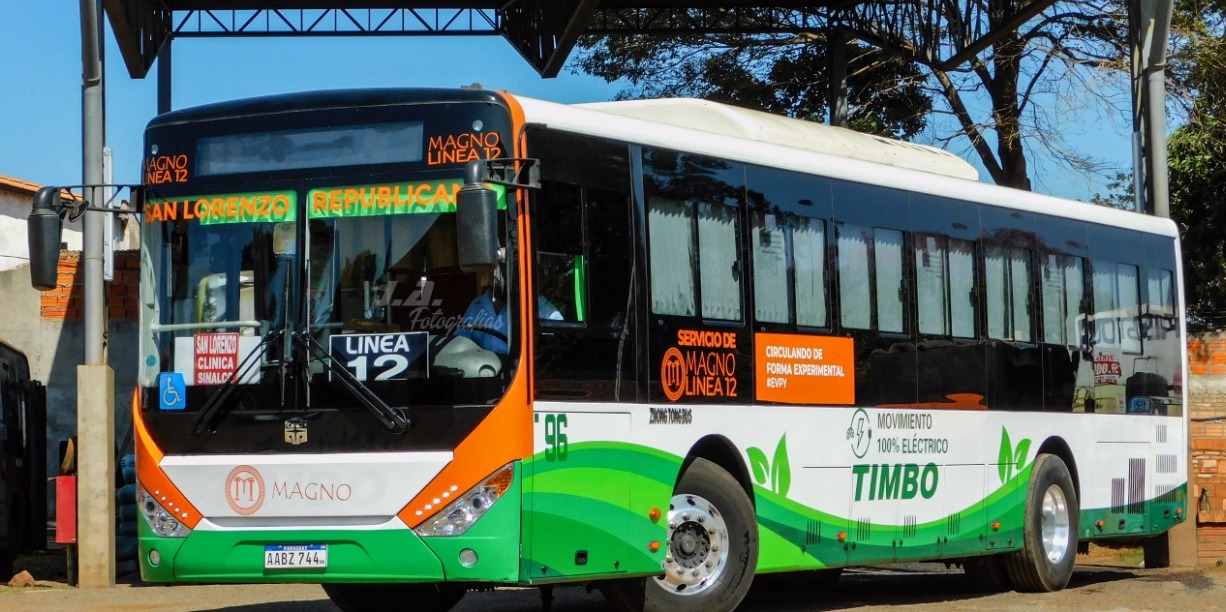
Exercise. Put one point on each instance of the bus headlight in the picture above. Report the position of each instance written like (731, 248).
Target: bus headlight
(458, 516)
(160, 520)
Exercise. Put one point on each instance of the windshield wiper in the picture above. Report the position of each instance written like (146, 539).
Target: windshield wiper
(203, 425)
(395, 420)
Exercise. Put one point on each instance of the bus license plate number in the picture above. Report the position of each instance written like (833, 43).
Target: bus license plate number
(302, 556)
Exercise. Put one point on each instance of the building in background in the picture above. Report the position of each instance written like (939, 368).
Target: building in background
(48, 327)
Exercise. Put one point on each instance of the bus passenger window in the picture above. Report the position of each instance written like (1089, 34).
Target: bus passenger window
(770, 269)
(789, 266)
(888, 260)
(945, 281)
(1007, 272)
(855, 295)
(1160, 305)
(809, 261)
(672, 256)
(931, 282)
(719, 271)
(962, 299)
(1116, 307)
(1063, 285)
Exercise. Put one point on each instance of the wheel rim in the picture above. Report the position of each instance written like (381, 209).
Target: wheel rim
(697, 546)
(1055, 524)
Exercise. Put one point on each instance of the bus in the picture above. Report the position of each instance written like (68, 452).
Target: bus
(23, 447)
(406, 343)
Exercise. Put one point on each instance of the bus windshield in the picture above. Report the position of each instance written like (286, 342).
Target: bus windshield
(307, 277)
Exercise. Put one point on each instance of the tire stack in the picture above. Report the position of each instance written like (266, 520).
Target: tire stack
(125, 518)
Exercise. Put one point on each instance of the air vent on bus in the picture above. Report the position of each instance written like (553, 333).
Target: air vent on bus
(953, 525)
(864, 529)
(1167, 493)
(1136, 486)
(1117, 495)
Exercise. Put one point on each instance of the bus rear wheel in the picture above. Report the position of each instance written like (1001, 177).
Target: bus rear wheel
(1045, 563)
(712, 548)
(383, 597)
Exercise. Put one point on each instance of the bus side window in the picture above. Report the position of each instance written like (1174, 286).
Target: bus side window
(870, 267)
(1007, 275)
(560, 280)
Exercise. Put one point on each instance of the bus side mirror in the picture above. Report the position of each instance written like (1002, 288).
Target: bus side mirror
(476, 212)
(43, 228)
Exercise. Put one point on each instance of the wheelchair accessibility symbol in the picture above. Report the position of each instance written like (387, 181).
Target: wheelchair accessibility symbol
(171, 391)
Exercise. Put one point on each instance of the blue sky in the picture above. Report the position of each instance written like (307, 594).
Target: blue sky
(40, 111)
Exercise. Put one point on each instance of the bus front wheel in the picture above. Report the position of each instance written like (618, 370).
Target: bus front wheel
(1045, 563)
(383, 597)
(712, 548)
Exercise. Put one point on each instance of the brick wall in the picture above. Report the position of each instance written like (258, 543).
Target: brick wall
(67, 301)
(1207, 409)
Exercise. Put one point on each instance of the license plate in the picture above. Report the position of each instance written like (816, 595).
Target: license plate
(296, 556)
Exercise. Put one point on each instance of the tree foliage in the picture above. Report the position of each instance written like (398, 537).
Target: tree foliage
(779, 74)
(1196, 154)
(997, 102)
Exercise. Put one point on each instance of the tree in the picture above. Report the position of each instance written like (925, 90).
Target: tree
(782, 74)
(1197, 160)
(998, 100)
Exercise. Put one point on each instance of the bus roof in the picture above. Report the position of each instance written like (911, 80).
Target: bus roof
(759, 138)
(722, 131)
(794, 133)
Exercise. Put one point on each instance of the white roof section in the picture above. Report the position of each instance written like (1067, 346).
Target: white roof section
(694, 135)
(793, 133)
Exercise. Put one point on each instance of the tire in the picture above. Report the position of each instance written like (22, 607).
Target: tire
(1045, 563)
(384, 597)
(988, 573)
(712, 549)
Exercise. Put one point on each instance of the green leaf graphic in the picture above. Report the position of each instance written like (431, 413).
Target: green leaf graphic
(781, 469)
(1005, 458)
(1019, 457)
(757, 461)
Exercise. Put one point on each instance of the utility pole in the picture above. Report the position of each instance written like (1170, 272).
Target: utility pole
(95, 379)
(1150, 24)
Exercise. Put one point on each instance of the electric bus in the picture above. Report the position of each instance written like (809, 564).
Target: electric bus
(409, 342)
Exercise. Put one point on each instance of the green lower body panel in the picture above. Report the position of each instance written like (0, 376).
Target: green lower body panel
(487, 552)
(588, 516)
(387, 555)
(793, 536)
(1139, 519)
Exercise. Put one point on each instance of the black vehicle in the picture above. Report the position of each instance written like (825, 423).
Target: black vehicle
(23, 424)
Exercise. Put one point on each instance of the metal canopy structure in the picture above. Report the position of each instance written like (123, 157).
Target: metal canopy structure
(545, 31)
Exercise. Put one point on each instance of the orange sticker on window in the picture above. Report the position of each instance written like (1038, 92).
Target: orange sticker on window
(796, 369)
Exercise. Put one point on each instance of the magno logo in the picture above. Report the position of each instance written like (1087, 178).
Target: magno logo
(245, 490)
(672, 374)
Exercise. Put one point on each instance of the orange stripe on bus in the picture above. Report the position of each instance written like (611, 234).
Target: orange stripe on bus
(957, 401)
(506, 434)
(151, 476)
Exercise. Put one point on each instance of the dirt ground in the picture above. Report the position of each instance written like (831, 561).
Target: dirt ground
(1104, 580)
